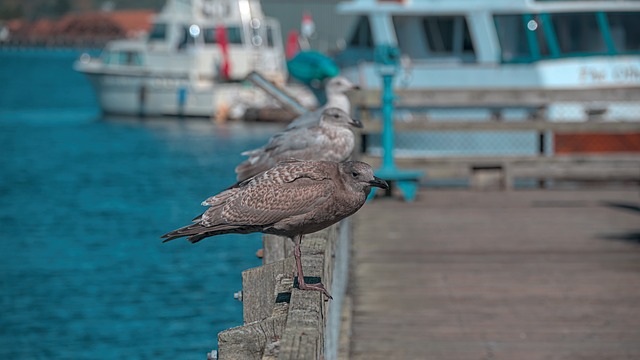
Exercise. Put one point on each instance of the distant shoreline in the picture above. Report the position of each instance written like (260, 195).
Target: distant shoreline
(90, 44)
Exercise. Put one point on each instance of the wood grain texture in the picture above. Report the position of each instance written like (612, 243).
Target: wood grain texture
(247, 342)
(281, 321)
(496, 97)
(500, 275)
(258, 286)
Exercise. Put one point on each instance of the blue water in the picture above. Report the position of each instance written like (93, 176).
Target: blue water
(83, 201)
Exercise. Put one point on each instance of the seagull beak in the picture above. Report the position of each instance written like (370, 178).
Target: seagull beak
(379, 183)
(355, 87)
(356, 123)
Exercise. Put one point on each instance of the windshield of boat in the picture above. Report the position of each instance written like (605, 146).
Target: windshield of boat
(158, 32)
(434, 37)
(234, 35)
(532, 37)
(421, 37)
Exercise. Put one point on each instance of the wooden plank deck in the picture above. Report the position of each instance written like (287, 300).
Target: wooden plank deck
(538, 274)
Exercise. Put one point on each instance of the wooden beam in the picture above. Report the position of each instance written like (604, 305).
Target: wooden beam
(247, 342)
(276, 248)
(422, 124)
(495, 98)
(303, 337)
(257, 289)
(282, 322)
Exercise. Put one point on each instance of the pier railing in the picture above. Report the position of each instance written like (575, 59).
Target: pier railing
(546, 160)
(281, 321)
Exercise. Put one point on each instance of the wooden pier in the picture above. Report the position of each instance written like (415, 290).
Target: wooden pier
(539, 274)
(464, 274)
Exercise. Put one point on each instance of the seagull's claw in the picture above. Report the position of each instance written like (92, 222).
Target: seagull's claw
(315, 287)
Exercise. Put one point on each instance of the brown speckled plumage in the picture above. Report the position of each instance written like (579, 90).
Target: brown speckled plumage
(294, 197)
(291, 199)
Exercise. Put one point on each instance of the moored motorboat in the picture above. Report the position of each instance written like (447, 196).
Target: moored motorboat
(192, 62)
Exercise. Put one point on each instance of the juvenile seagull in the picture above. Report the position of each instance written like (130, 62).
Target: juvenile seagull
(335, 90)
(331, 140)
(292, 199)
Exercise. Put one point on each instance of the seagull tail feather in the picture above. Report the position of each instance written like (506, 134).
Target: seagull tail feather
(196, 232)
(189, 230)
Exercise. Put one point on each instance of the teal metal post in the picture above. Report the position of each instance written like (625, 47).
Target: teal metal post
(387, 58)
(388, 133)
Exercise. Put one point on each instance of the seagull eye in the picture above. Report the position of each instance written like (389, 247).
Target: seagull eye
(354, 174)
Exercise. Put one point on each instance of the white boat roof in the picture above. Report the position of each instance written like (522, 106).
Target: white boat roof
(203, 11)
(494, 6)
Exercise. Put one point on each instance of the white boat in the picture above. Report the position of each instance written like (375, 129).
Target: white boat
(192, 63)
(502, 45)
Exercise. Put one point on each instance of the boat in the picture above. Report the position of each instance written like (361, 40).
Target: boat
(523, 46)
(193, 62)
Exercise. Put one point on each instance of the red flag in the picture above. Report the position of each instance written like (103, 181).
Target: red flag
(292, 44)
(223, 41)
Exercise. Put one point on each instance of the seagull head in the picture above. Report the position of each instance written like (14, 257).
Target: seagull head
(340, 85)
(359, 176)
(335, 116)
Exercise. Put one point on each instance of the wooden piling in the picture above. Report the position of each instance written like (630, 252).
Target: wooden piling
(281, 321)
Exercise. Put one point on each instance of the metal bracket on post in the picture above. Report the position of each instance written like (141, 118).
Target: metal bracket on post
(387, 58)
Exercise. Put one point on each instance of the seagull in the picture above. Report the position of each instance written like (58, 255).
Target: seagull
(294, 198)
(335, 89)
(331, 139)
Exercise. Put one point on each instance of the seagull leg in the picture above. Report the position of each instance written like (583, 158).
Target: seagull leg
(301, 284)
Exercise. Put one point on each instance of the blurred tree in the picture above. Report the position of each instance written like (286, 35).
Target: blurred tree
(35, 9)
(60, 7)
(11, 11)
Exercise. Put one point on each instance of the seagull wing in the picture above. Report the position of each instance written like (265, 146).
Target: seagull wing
(307, 119)
(297, 143)
(289, 189)
(295, 140)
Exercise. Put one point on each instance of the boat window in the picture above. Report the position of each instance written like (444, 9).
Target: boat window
(578, 33)
(269, 36)
(158, 32)
(513, 37)
(109, 57)
(425, 37)
(234, 35)
(186, 39)
(542, 26)
(527, 37)
(361, 36)
(359, 45)
(523, 37)
(122, 58)
(129, 58)
(209, 35)
(624, 28)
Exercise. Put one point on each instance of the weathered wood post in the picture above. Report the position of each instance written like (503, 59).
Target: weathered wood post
(281, 321)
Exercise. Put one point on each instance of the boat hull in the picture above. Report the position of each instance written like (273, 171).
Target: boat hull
(169, 96)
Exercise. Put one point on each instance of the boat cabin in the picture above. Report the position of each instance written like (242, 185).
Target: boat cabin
(492, 32)
(199, 36)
